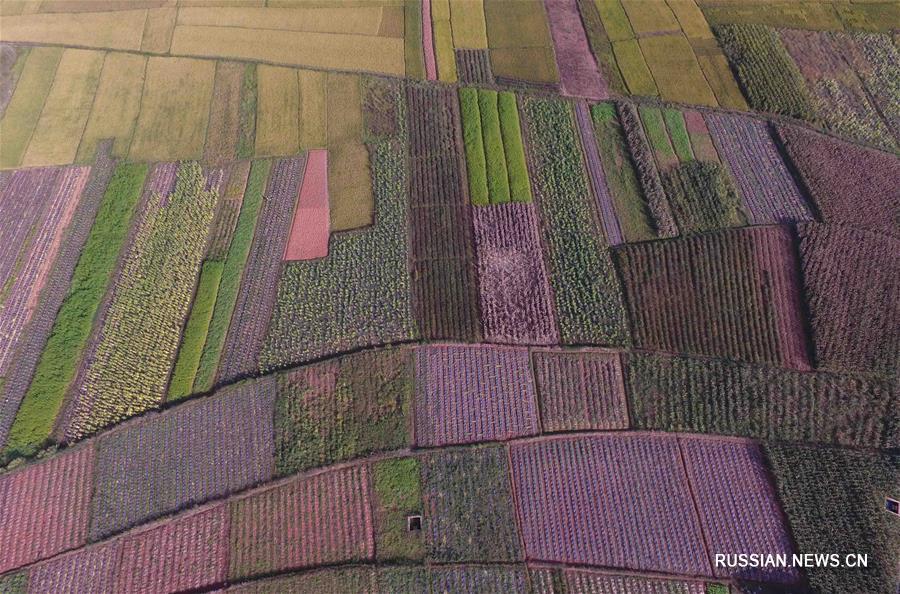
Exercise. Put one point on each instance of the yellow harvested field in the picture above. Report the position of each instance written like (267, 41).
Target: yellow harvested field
(444, 53)
(675, 70)
(329, 51)
(654, 16)
(692, 21)
(158, 30)
(221, 3)
(174, 109)
(392, 22)
(721, 80)
(224, 127)
(116, 105)
(440, 10)
(94, 5)
(533, 64)
(615, 21)
(58, 131)
(277, 111)
(25, 106)
(313, 117)
(344, 109)
(120, 30)
(634, 68)
(350, 187)
(467, 23)
(353, 21)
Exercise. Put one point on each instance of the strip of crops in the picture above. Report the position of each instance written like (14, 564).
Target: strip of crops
(472, 580)
(19, 294)
(578, 74)
(471, 394)
(232, 273)
(702, 197)
(582, 501)
(678, 134)
(187, 553)
(706, 294)
(658, 136)
(247, 136)
(328, 580)
(701, 142)
(516, 304)
(580, 390)
(590, 582)
(187, 455)
(876, 61)
(771, 403)
(663, 222)
(57, 366)
(492, 139)
(445, 294)
(397, 495)
(256, 299)
(45, 508)
(339, 410)
(513, 148)
(88, 570)
(767, 74)
(320, 520)
(476, 163)
(474, 66)
(834, 499)
(598, 177)
(360, 294)
(469, 510)
(849, 276)
(849, 184)
(310, 230)
(139, 340)
(585, 288)
(224, 127)
(731, 489)
(227, 214)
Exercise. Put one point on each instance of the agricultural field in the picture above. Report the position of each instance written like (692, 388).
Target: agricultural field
(448, 296)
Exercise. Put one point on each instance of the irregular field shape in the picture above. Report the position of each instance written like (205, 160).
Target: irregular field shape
(46, 508)
(738, 506)
(310, 230)
(328, 51)
(614, 501)
(471, 394)
(187, 455)
(158, 30)
(322, 519)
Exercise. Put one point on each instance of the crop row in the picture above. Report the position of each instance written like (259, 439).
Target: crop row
(474, 66)
(702, 197)
(228, 209)
(23, 204)
(256, 299)
(578, 72)
(585, 288)
(351, 299)
(149, 304)
(594, 165)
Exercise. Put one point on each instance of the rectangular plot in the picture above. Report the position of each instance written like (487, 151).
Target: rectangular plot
(445, 299)
(58, 131)
(474, 579)
(310, 230)
(633, 66)
(116, 105)
(323, 519)
(361, 20)
(45, 507)
(350, 187)
(277, 110)
(187, 455)
(313, 113)
(474, 67)
(447, 67)
(174, 109)
(467, 24)
(584, 500)
(24, 108)
(158, 31)
(472, 394)
(91, 570)
(650, 17)
(224, 129)
(580, 390)
(582, 581)
(344, 109)
(120, 30)
(578, 72)
(675, 69)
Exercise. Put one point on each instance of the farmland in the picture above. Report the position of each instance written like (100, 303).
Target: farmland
(448, 296)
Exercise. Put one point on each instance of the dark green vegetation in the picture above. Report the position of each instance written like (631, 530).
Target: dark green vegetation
(338, 411)
(59, 361)
(476, 167)
(497, 174)
(702, 197)
(232, 271)
(624, 185)
(14, 583)
(768, 76)
(588, 296)
(655, 126)
(835, 500)
(706, 396)
(195, 332)
(398, 494)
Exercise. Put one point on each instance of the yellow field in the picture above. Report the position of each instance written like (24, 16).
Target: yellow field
(353, 21)
(692, 21)
(174, 109)
(718, 73)
(444, 53)
(120, 30)
(313, 116)
(344, 109)
(58, 131)
(467, 22)
(392, 22)
(634, 68)
(224, 127)
(328, 51)
(277, 111)
(158, 30)
(650, 17)
(116, 105)
(675, 70)
(350, 187)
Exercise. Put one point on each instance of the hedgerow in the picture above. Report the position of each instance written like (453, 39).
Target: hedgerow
(70, 333)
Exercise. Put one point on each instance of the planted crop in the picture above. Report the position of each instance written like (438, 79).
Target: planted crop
(476, 164)
(605, 206)
(702, 197)
(474, 66)
(579, 580)
(92, 569)
(655, 128)
(585, 289)
(495, 159)
(678, 134)
(513, 149)
(231, 199)
(471, 394)
(474, 579)
(398, 495)
(578, 73)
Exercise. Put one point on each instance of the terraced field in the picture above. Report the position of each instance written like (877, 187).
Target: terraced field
(448, 296)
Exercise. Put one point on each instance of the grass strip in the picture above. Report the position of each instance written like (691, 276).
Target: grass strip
(497, 174)
(678, 133)
(656, 133)
(232, 271)
(71, 331)
(514, 150)
(196, 330)
(476, 166)
(398, 494)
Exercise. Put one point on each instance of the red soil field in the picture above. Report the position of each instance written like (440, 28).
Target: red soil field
(311, 227)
